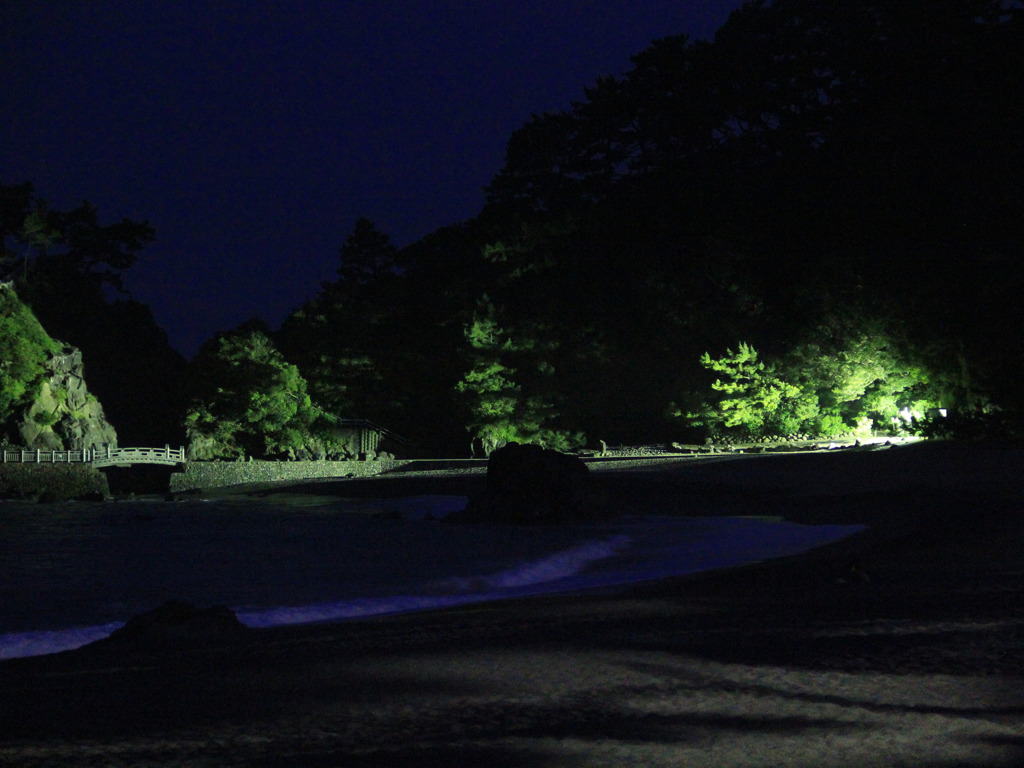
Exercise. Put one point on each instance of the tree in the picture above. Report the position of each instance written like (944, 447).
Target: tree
(350, 337)
(247, 400)
(502, 409)
(64, 247)
(17, 206)
(754, 400)
(862, 372)
(367, 255)
(492, 394)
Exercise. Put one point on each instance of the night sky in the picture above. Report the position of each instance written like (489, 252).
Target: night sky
(252, 134)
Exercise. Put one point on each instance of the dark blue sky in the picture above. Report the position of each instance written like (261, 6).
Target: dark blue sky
(252, 134)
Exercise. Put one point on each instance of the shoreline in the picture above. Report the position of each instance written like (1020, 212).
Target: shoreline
(903, 644)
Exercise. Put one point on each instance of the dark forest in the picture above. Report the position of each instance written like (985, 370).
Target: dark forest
(810, 226)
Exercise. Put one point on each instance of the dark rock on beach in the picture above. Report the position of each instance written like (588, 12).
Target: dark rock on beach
(177, 624)
(529, 484)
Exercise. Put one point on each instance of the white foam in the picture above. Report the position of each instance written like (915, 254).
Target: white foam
(557, 567)
(549, 571)
(39, 642)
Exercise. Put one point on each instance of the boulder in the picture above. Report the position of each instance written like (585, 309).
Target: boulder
(530, 484)
(178, 624)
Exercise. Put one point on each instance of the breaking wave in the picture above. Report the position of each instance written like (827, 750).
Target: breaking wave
(267, 565)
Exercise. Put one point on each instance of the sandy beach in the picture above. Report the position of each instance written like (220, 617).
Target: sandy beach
(900, 646)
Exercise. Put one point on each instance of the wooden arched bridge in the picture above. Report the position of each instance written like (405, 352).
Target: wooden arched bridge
(103, 456)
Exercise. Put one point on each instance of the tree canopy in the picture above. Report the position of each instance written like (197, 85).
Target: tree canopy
(41, 244)
(246, 399)
(836, 185)
(820, 210)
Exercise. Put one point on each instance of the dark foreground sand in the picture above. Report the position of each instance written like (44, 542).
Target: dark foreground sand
(903, 645)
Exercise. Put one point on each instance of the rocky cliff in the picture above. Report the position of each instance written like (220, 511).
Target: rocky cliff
(64, 416)
(48, 405)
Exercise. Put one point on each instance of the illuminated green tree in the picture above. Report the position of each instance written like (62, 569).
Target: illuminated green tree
(501, 408)
(852, 374)
(753, 400)
(863, 374)
(248, 401)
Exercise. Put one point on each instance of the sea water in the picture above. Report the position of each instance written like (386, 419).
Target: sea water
(73, 573)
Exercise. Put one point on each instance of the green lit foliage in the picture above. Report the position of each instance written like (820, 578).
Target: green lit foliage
(753, 401)
(850, 377)
(24, 349)
(863, 376)
(501, 408)
(46, 419)
(249, 401)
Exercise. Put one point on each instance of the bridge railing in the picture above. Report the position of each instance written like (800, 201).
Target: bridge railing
(46, 457)
(100, 456)
(116, 456)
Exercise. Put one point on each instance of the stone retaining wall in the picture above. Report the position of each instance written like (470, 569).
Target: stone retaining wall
(218, 474)
(52, 482)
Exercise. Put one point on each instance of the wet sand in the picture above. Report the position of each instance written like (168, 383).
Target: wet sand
(902, 645)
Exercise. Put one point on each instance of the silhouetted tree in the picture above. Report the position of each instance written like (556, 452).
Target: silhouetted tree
(351, 341)
(367, 255)
(844, 166)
